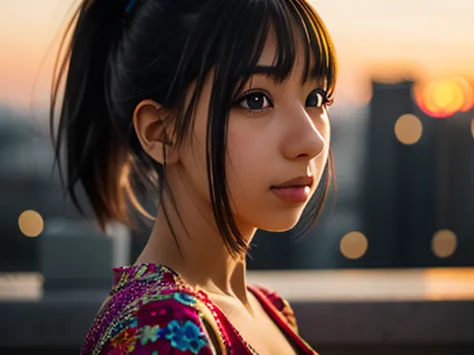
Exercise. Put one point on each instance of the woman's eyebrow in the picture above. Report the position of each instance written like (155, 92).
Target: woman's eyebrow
(274, 73)
(264, 70)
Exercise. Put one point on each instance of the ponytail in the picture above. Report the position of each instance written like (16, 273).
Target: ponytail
(95, 153)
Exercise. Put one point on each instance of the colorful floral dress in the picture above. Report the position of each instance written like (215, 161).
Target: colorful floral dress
(152, 311)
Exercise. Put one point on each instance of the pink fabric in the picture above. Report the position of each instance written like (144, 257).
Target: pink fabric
(151, 311)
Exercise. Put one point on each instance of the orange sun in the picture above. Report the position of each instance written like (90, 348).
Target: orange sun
(443, 98)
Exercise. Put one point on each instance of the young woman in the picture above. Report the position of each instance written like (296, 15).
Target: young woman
(218, 108)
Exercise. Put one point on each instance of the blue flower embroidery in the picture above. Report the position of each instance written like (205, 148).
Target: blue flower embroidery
(186, 337)
(184, 298)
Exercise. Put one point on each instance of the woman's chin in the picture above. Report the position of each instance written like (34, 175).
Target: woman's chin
(280, 223)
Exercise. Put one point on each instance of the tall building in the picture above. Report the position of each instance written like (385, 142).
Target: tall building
(455, 185)
(399, 200)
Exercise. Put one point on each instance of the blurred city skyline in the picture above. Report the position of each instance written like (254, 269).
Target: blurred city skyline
(386, 40)
(393, 152)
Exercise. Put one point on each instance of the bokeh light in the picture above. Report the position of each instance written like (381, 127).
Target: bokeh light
(468, 90)
(444, 243)
(31, 223)
(408, 129)
(354, 245)
(443, 98)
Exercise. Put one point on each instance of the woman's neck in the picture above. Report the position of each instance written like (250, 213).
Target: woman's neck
(194, 247)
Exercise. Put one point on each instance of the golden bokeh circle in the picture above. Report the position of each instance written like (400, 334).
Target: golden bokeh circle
(31, 223)
(354, 245)
(444, 243)
(408, 129)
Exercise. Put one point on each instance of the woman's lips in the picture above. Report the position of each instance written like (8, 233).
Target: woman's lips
(295, 194)
(296, 190)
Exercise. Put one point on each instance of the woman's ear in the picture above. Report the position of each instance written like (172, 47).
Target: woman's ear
(152, 126)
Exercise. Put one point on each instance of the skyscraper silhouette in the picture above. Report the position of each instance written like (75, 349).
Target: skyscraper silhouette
(399, 205)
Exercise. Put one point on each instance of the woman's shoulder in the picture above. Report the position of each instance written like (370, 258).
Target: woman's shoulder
(150, 313)
(280, 303)
(161, 323)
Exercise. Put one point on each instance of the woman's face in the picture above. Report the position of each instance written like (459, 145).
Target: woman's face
(277, 148)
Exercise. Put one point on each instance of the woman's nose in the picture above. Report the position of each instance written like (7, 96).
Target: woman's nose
(304, 138)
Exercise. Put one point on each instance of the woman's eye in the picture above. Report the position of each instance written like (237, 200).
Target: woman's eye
(317, 98)
(255, 101)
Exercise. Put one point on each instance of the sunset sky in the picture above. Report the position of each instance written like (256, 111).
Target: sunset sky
(385, 38)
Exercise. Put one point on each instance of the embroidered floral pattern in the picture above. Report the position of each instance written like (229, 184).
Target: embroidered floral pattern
(185, 299)
(125, 340)
(150, 334)
(187, 336)
(151, 311)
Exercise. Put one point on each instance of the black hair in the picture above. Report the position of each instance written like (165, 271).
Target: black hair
(156, 50)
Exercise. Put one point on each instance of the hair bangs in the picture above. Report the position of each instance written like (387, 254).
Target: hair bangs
(296, 25)
(234, 45)
(320, 54)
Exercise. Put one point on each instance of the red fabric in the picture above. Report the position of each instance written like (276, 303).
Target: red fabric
(151, 311)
